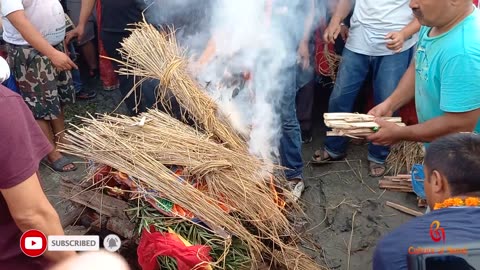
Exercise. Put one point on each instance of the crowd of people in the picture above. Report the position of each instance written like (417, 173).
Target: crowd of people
(422, 50)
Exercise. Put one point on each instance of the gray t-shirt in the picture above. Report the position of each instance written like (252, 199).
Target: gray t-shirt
(372, 20)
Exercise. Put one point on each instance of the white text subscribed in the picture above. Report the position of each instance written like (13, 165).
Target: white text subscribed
(73, 243)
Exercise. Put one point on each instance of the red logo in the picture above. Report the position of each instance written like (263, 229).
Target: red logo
(33, 243)
(437, 233)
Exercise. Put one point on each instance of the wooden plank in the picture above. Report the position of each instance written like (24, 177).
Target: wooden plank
(340, 124)
(76, 230)
(400, 176)
(364, 119)
(404, 209)
(347, 134)
(121, 226)
(95, 200)
(395, 183)
(73, 212)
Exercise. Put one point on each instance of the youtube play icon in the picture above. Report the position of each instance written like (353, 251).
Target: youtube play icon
(33, 243)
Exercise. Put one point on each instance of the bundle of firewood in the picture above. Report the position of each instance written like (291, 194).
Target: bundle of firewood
(400, 183)
(354, 125)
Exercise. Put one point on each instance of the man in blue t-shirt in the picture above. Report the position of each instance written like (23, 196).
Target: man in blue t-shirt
(452, 170)
(443, 78)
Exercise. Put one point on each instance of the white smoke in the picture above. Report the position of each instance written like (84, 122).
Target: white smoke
(246, 43)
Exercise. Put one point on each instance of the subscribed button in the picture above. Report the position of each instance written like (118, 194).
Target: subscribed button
(33, 243)
(73, 243)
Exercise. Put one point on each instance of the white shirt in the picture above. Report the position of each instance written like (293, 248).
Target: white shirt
(46, 15)
(372, 20)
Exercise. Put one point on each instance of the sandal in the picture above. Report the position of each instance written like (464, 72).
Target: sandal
(374, 169)
(86, 95)
(320, 158)
(59, 165)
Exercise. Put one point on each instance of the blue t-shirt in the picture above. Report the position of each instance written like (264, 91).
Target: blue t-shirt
(460, 225)
(447, 77)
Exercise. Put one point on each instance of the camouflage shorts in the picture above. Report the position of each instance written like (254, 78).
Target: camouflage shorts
(43, 87)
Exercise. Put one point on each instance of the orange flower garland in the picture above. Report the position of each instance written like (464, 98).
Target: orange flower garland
(456, 202)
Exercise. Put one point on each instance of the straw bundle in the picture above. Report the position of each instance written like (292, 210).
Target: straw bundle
(149, 53)
(404, 155)
(144, 147)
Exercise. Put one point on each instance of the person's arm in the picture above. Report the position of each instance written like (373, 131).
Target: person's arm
(303, 48)
(404, 93)
(28, 31)
(342, 10)
(85, 13)
(459, 101)
(411, 29)
(334, 28)
(440, 126)
(30, 209)
(397, 39)
(308, 24)
(389, 133)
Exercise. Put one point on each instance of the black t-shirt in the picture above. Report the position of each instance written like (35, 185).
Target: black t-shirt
(118, 14)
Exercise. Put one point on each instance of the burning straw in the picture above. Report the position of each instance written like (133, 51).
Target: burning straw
(145, 146)
(150, 53)
(404, 155)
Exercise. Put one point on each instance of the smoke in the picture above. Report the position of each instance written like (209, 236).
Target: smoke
(252, 65)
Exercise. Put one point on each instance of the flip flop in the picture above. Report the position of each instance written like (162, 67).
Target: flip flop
(373, 166)
(58, 164)
(319, 157)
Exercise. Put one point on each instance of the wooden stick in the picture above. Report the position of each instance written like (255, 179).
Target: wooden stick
(404, 209)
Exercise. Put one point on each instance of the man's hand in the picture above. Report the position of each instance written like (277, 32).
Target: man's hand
(396, 40)
(61, 61)
(388, 134)
(381, 110)
(78, 33)
(332, 31)
(304, 54)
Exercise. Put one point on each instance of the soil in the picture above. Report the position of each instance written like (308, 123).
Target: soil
(345, 208)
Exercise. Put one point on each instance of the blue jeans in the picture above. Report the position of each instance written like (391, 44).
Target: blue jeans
(386, 73)
(77, 79)
(291, 140)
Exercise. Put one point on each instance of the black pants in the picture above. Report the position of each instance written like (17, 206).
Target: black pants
(111, 42)
(304, 101)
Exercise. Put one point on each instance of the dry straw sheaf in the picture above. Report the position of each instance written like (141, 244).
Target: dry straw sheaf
(404, 155)
(145, 151)
(150, 53)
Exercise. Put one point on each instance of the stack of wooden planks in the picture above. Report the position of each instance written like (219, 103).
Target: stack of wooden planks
(400, 183)
(353, 124)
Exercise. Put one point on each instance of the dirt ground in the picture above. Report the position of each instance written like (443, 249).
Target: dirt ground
(346, 209)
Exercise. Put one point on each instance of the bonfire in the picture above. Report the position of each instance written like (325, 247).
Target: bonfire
(200, 200)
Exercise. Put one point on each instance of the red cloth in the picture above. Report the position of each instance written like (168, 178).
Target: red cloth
(107, 73)
(475, 2)
(154, 244)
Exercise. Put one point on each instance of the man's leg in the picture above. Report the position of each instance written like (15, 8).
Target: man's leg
(304, 105)
(90, 55)
(387, 72)
(291, 140)
(54, 155)
(111, 42)
(352, 73)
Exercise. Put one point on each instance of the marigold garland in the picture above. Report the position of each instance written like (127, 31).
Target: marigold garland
(456, 202)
